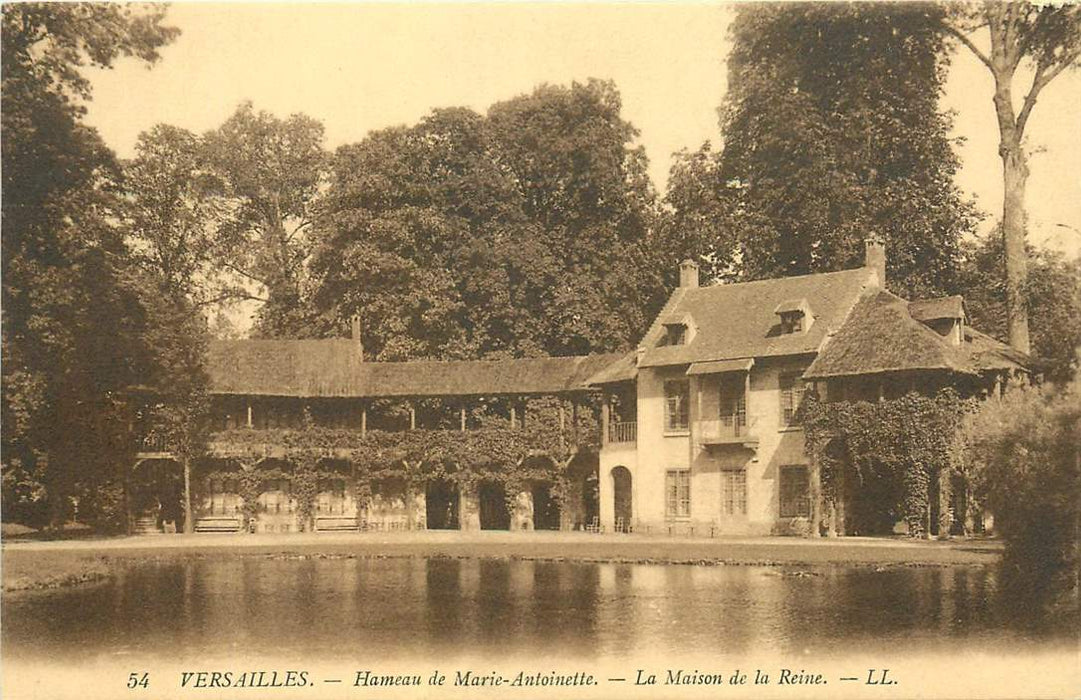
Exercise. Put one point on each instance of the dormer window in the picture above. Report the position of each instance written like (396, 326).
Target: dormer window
(678, 330)
(792, 322)
(795, 316)
(675, 334)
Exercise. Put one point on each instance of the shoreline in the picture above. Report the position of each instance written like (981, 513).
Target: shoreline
(57, 564)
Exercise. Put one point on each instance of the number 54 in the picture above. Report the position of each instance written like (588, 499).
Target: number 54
(136, 680)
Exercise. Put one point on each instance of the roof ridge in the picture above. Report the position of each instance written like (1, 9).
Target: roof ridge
(746, 283)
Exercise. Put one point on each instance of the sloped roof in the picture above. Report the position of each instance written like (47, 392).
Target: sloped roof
(881, 336)
(540, 375)
(939, 307)
(623, 368)
(986, 353)
(738, 320)
(284, 367)
(333, 368)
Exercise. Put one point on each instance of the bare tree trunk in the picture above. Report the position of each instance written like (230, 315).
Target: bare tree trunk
(1015, 176)
(189, 524)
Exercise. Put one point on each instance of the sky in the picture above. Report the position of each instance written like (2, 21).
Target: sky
(359, 68)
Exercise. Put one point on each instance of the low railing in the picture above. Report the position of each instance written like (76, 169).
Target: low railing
(719, 432)
(153, 443)
(623, 432)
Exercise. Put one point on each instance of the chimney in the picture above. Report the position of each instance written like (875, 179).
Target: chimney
(688, 274)
(875, 256)
(354, 323)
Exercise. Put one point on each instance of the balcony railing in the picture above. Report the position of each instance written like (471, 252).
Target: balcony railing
(154, 443)
(732, 432)
(626, 431)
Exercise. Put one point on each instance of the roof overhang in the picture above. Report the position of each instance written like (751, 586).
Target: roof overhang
(721, 366)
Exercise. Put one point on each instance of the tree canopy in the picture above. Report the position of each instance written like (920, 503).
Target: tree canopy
(521, 232)
(831, 131)
(72, 316)
(1052, 295)
(272, 168)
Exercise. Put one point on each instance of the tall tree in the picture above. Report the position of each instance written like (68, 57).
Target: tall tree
(1052, 296)
(179, 225)
(831, 130)
(517, 233)
(273, 168)
(71, 320)
(1048, 39)
(179, 218)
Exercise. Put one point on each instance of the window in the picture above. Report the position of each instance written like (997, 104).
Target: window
(734, 493)
(676, 405)
(791, 396)
(676, 334)
(733, 404)
(677, 492)
(792, 322)
(795, 492)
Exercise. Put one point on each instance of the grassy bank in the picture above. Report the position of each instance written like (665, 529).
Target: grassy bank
(33, 565)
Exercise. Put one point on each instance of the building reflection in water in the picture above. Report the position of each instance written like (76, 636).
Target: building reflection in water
(373, 608)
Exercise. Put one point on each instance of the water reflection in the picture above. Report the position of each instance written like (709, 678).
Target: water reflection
(338, 608)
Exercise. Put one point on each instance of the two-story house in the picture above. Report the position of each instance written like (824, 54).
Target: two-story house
(703, 427)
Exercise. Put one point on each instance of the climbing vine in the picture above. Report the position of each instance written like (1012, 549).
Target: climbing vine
(511, 457)
(902, 443)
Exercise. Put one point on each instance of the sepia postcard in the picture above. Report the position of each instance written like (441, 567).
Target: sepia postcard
(498, 350)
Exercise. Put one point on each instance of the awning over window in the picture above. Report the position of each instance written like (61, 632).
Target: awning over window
(719, 366)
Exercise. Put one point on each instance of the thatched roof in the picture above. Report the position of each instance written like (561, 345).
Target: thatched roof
(985, 353)
(285, 367)
(540, 375)
(333, 368)
(881, 336)
(738, 320)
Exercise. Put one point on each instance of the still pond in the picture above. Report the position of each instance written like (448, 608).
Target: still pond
(337, 608)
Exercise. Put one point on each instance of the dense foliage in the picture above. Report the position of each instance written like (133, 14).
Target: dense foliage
(73, 316)
(1052, 296)
(519, 233)
(892, 449)
(1023, 453)
(831, 130)
(513, 457)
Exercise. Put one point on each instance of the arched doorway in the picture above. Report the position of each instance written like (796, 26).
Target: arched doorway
(275, 506)
(441, 503)
(545, 508)
(621, 490)
(493, 506)
(582, 505)
(335, 503)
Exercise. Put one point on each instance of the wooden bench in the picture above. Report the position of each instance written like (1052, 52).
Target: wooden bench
(336, 523)
(218, 523)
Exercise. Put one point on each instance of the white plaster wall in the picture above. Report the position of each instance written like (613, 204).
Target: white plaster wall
(777, 445)
(657, 452)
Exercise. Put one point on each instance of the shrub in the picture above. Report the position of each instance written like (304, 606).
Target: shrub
(1023, 454)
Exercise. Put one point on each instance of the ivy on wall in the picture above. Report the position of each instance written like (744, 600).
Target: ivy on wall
(903, 442)
(512, 457)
